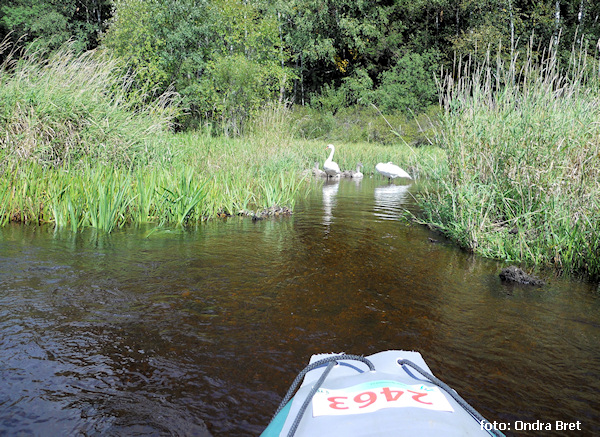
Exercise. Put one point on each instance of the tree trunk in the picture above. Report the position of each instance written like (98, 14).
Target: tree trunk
(99, 14)
(556, 23)
(282, 85)
(457, 19)
(302, 78)
(512, 29)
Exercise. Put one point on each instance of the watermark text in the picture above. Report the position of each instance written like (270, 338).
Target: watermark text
(538, 425)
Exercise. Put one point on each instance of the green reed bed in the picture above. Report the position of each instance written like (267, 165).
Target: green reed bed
(522, 182)
(205, 178)
(79, 149)
(105, 197)
(71, 107)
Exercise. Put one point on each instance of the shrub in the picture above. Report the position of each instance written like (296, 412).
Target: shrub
(409, 86)
(235, 88)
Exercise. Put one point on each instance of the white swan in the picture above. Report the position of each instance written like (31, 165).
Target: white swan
(330, 167)
(357, 174)
(391, 171)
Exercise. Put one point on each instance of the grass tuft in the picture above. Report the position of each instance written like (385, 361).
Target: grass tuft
(78, 148)
(523, 175)
(73, 107)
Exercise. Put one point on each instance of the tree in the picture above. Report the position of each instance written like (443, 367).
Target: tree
(332, 39)
(160, 40)
(248, 64)
(409, 85)
(223, 57)
(48, 24)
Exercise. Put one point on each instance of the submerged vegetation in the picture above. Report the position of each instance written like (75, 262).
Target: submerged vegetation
(523, 175)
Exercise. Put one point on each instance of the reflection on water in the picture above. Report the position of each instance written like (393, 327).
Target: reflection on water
(390, 200)
(201, 331)
(330, 190)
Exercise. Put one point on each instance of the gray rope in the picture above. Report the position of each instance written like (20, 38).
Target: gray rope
(464, 404)
(309, 398)
(332, 359)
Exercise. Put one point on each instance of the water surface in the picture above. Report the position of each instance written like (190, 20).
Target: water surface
(199, 332)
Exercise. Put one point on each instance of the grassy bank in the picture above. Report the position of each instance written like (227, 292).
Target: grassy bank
(523, 175)
(78, 148)
(71, 107)
(203, 178)
(105, 197)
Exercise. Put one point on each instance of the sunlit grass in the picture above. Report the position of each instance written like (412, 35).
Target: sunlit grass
(72, 107)
(208, 177)
(106, 198)
(79, 149)
(523, 175)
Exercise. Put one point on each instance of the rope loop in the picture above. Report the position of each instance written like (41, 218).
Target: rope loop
(330, 362)
(464, 404)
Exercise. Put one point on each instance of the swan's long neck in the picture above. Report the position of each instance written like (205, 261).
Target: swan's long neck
(331, 154)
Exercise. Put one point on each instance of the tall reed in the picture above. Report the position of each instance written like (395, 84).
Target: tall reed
(76, 106)
(78, 148)
(523, 178)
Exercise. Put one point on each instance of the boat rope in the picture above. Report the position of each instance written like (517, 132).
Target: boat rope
(464, 404)
(330, 362)
(308, 398)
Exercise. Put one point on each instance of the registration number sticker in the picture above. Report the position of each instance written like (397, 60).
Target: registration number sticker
(376, 395)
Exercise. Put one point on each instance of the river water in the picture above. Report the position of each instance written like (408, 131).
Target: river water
(199, 332)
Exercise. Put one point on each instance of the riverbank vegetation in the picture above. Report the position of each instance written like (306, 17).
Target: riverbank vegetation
(116, 112)
(80, 150)
(523, 146)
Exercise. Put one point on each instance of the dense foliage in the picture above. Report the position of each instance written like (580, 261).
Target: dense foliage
(523, 177)
(86, 135)
(226, 58)
(48, 24)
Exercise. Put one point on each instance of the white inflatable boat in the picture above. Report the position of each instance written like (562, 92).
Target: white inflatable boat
(391, 393)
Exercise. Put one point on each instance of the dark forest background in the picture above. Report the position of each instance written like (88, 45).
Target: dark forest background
(227, 58)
